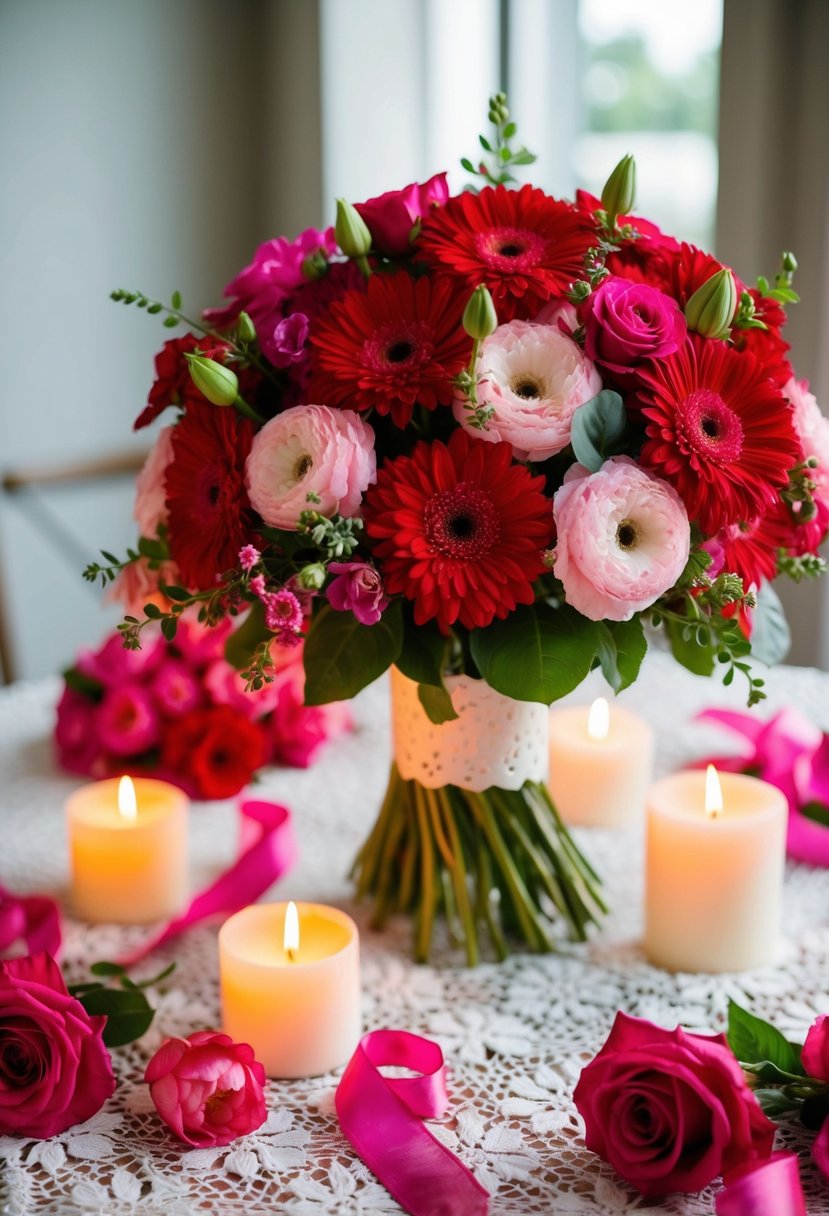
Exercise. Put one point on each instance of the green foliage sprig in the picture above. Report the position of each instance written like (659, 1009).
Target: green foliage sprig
(500, 156)
(128, 1012)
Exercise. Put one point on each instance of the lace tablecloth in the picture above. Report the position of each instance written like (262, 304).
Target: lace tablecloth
(515, 1035)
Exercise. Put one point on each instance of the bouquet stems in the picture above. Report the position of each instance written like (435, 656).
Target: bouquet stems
(499, 862)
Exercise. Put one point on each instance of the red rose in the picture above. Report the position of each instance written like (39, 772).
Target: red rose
(214, 751)
(391, 217)
(54, 1069)
(670, 1111)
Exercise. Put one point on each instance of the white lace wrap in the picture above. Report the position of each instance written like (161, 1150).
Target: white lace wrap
(493, 741)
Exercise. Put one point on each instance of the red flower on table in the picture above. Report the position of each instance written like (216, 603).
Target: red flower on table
(214, 751)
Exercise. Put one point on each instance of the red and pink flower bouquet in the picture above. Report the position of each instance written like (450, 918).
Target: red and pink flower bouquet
(492, 440)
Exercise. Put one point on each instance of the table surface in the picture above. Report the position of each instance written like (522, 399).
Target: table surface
(515, 1035)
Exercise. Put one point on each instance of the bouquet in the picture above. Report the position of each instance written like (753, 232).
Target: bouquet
(180, 711)
(493, 440)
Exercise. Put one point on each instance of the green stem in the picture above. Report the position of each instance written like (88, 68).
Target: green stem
(426, 911)
(524, 904)
(362, 262)
(470, 934)
(485, 888)
(249, 412)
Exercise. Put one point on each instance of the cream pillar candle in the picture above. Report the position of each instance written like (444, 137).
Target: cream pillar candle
(713, 876)
(293, 995)
(128, 850)
(601, 764)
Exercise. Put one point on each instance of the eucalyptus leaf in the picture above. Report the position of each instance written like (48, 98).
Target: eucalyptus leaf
(538, 653)
(770, 633)
(437, 704)
(597, 427)
(342, 656)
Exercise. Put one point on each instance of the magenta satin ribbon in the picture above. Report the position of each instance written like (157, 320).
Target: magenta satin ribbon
(764, 1188)
(267, 850)
(790, 752)
(32, 919)
(382, 1118)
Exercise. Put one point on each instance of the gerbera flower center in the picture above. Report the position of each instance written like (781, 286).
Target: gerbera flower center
(462, 522)
(510, 249)
(529, 388)
(400, 351)
(711, 427)
(627, 535)
(395, 348)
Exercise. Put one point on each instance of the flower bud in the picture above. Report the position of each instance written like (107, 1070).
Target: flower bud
(479, 316)
(311, 578)
(353, 237)
(788, 262)
(213, 380)
(620, 189)
(315, 266)
(711, 308)
(245, 329)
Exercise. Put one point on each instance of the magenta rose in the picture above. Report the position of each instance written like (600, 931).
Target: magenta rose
(286, 342)
(815, 1053)
(820, 1149)
(391, 217)
(670, 1111)
(207, 1089)
(357, 588)
(626, 322)
(54, 1068)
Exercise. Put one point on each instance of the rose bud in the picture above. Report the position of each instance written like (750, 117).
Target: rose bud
(353, 237)
(620, 190)
(213, 380)
(711, 308)
(479, 317)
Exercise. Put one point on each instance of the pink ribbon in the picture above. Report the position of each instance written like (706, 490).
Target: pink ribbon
(764, 1188)
(267, 850)
(32, 919)
(381, 1117)
(790, 752)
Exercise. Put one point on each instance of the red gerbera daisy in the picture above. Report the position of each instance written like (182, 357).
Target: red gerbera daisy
(210, 517)
(718, 430)
(523, 245)
(750, 550)
(396, 344)
(459, 529)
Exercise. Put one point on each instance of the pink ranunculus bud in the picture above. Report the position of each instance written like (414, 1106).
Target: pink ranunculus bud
(207, 1089)
(310, 450)
(670, 1111)
(357, 588)
(815, 1054)
(626, 323)
(623, 539)
(55, 1070)
(391, 216)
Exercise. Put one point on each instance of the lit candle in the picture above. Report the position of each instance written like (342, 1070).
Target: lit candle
(290, 986)
(715, 858)
(601, 764)
(128, 850)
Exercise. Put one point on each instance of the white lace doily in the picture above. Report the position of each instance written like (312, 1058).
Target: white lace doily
(493, 740)
(515, 1035)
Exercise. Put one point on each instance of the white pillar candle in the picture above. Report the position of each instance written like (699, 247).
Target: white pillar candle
(714, 872)
(128, 850)
(601, 764)
(290, 986)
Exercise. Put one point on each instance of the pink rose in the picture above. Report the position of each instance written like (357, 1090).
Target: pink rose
(357, 588)
(150, 491)
(76, 739)
(299, 731)
(175, 688)
(534, 378)
(391, 217)
(207, 1089)
(626, 322)
(112, 665)
(670, 1111)
(226, 686)
(623, 539)
(54, 1069)
(126, 721)
(28, 923)
(286, 342)
(310, 449)
(820, 1149)
(274, 274)
(815, 1054)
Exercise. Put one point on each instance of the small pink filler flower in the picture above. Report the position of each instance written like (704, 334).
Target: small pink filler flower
(623, 539)
(357, 588)
(207, 1089)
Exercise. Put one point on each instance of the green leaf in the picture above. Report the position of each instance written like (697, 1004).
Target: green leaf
(168, 628)
(817, 811)
(524, 158)
(510, 130)
(78, 682)
(776, 1102)
(156, 979)
(175, 299)
(170, 322)
(128, 1013)
(153, 548)
(241, 644)
(622, 647)
(152, 611)
(437, 703)
(537, 653)
(422, 654)
(770, 633)
(180, 595)
(78, 989)
(485, 144)
(701, 660)
(761, 1046)
(597, 427)
(342, 656)
(104, 968)
(466, 163)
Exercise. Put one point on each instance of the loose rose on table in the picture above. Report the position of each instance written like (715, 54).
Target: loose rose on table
(207, 1089)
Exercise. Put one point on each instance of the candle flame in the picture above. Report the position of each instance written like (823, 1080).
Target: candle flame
(290, 940)
(598, 720)
(713, 793)
(127, 805)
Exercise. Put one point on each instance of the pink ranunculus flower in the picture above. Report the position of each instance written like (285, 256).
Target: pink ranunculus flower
(534, 378)
(357, 588)
(391, 216)
(207, 1089)
(274, 274)
(561, 314)
(310, 449)
(175, 688)
(670, 1111)
(150, 491)
(625, 323)
(815, 1054)
(285, 344)
(126, 721)
(54, 1068)
(623, 539)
